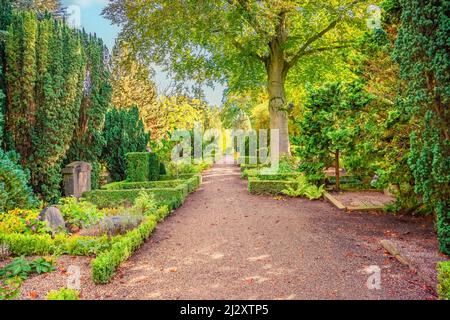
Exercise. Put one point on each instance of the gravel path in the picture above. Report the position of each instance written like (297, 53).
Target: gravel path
(226, 244)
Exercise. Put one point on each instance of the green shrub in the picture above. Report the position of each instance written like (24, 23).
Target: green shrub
(269, 187)
(144, 204)
(81, 213)
(173, 197)
(14, 189)
(154, 167)
(137, 169)
(63, 294)
(106, 263)
(444, 280)
(305, 189)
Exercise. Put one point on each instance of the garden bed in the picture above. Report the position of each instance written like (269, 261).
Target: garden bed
(360, 200)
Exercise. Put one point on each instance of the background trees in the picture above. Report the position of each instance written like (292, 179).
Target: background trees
(124, 132)
(133, 86)
(242, 42)
(44, 76)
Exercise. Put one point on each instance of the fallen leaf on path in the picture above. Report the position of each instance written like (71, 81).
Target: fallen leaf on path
(33, 295)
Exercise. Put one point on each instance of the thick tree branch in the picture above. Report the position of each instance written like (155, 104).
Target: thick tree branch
(303, 49)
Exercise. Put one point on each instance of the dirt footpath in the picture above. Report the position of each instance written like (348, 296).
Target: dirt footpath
(226, 244)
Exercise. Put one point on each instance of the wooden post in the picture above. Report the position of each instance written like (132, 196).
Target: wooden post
(337, 169)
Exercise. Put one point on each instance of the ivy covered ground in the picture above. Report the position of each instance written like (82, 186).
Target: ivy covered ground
(221, 244)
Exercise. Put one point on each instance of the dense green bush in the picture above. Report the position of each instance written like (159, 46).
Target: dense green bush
(444, 280)
(270, 187)
(106, 263)
(172, 197)
(138, 164)
(77, 213)
(124, 133)
(154, 167)
(14, 189)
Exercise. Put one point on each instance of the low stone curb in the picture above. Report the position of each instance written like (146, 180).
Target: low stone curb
(393, 250)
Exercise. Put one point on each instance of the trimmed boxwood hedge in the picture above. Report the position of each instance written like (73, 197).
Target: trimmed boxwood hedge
(193, 183)
(172, 197)
(444, 280)
(271, 187)
(137, 166)
(255, 173)
(106, 263)
(125, 185)
(43, 245)
(154, 167)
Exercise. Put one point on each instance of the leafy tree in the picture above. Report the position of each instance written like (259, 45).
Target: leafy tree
(422, 51)
(238, 41)
(124, 133)
(328, 128)
(132, 86)
(88, 141)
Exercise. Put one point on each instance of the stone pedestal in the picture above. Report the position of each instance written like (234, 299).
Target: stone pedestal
(77, 179)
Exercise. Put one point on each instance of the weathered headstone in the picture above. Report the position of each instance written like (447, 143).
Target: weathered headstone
(77, 179)
(54, 219)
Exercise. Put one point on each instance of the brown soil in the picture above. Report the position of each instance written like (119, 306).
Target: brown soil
(363, 198)
(226, 244)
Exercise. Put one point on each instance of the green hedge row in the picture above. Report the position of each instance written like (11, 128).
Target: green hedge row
(270, 187)
(172, 197)
(125, 185)
(42, 245)
(255, 173)
(105, 264)
(138, 164)
(193, 183)
(142, 166)
(154, 168)
(444, 280)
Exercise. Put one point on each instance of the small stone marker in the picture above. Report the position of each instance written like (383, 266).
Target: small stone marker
(54, 219)
(77, 179)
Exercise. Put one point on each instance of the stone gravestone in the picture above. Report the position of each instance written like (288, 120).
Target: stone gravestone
(77, 179)
(54, 219)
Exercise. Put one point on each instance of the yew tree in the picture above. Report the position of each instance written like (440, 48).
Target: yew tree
(239, 42)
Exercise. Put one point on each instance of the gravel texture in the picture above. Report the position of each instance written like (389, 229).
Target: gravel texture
(226, 244)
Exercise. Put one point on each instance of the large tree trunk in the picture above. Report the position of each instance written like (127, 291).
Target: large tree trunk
(276, 74)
